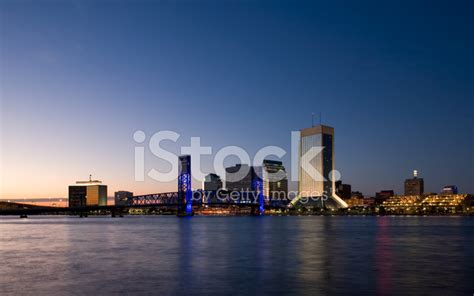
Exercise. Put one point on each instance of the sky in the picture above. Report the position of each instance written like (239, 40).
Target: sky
(78, 78)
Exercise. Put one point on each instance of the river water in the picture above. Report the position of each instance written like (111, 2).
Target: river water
(167, 255)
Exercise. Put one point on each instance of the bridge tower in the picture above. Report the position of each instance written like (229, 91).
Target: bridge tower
(185, 193)
(257, 187)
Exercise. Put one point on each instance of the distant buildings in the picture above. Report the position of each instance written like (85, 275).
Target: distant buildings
(246, 179)
(449, 189)
(322, 183)
(344, 191)
(122, 197)
(275, 181)
(383, 195)
(212, 182)
(428, 204)
(239, 177)
(211, 185)
(87, 193)
(243, 182)
(414, 186)
(357, 194)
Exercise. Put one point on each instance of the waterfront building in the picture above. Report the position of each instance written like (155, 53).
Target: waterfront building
(414, 186)
(355, 201)
(408, 204)
(321, 184)
(87, 193)
(447, 203)
(428, 204)
(122, 197)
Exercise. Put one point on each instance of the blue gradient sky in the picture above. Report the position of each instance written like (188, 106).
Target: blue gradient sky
(394, 79)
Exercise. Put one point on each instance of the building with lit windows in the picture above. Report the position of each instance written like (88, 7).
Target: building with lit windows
(428, 204)
(275, 182)
(87, 193)
(322, 183)
(449, 189)
(414, 186)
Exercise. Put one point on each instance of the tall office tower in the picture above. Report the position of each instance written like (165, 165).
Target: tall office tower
(87, 193)
(212, 182)
(122, 198)
(414, 186)
(275, 182)
(316, 170)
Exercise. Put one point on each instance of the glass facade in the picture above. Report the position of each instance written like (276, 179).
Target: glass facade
(328, 164)
(275, 182)
(316, 174)
(87, 195)
(311, 185)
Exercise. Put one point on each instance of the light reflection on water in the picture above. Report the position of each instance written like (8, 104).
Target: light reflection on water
(237, 255)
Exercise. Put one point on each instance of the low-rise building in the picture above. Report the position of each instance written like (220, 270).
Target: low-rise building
(122, 198)
(87, 193)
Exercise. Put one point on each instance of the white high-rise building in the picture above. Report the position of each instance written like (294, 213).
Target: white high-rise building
(321, 183)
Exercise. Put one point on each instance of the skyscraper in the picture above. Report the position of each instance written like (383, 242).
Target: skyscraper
(316, 170)
(242, 179)
(275, 181)
(212, 183)
(414, 186)
(245, 183)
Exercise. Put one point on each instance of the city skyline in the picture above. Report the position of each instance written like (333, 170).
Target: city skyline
(74, 90)
(244, 147)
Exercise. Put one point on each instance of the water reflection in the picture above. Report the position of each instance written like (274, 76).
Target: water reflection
(383, 256)
(236, 255)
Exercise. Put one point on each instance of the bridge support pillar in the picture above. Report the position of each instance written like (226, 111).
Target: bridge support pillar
(185, 193)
